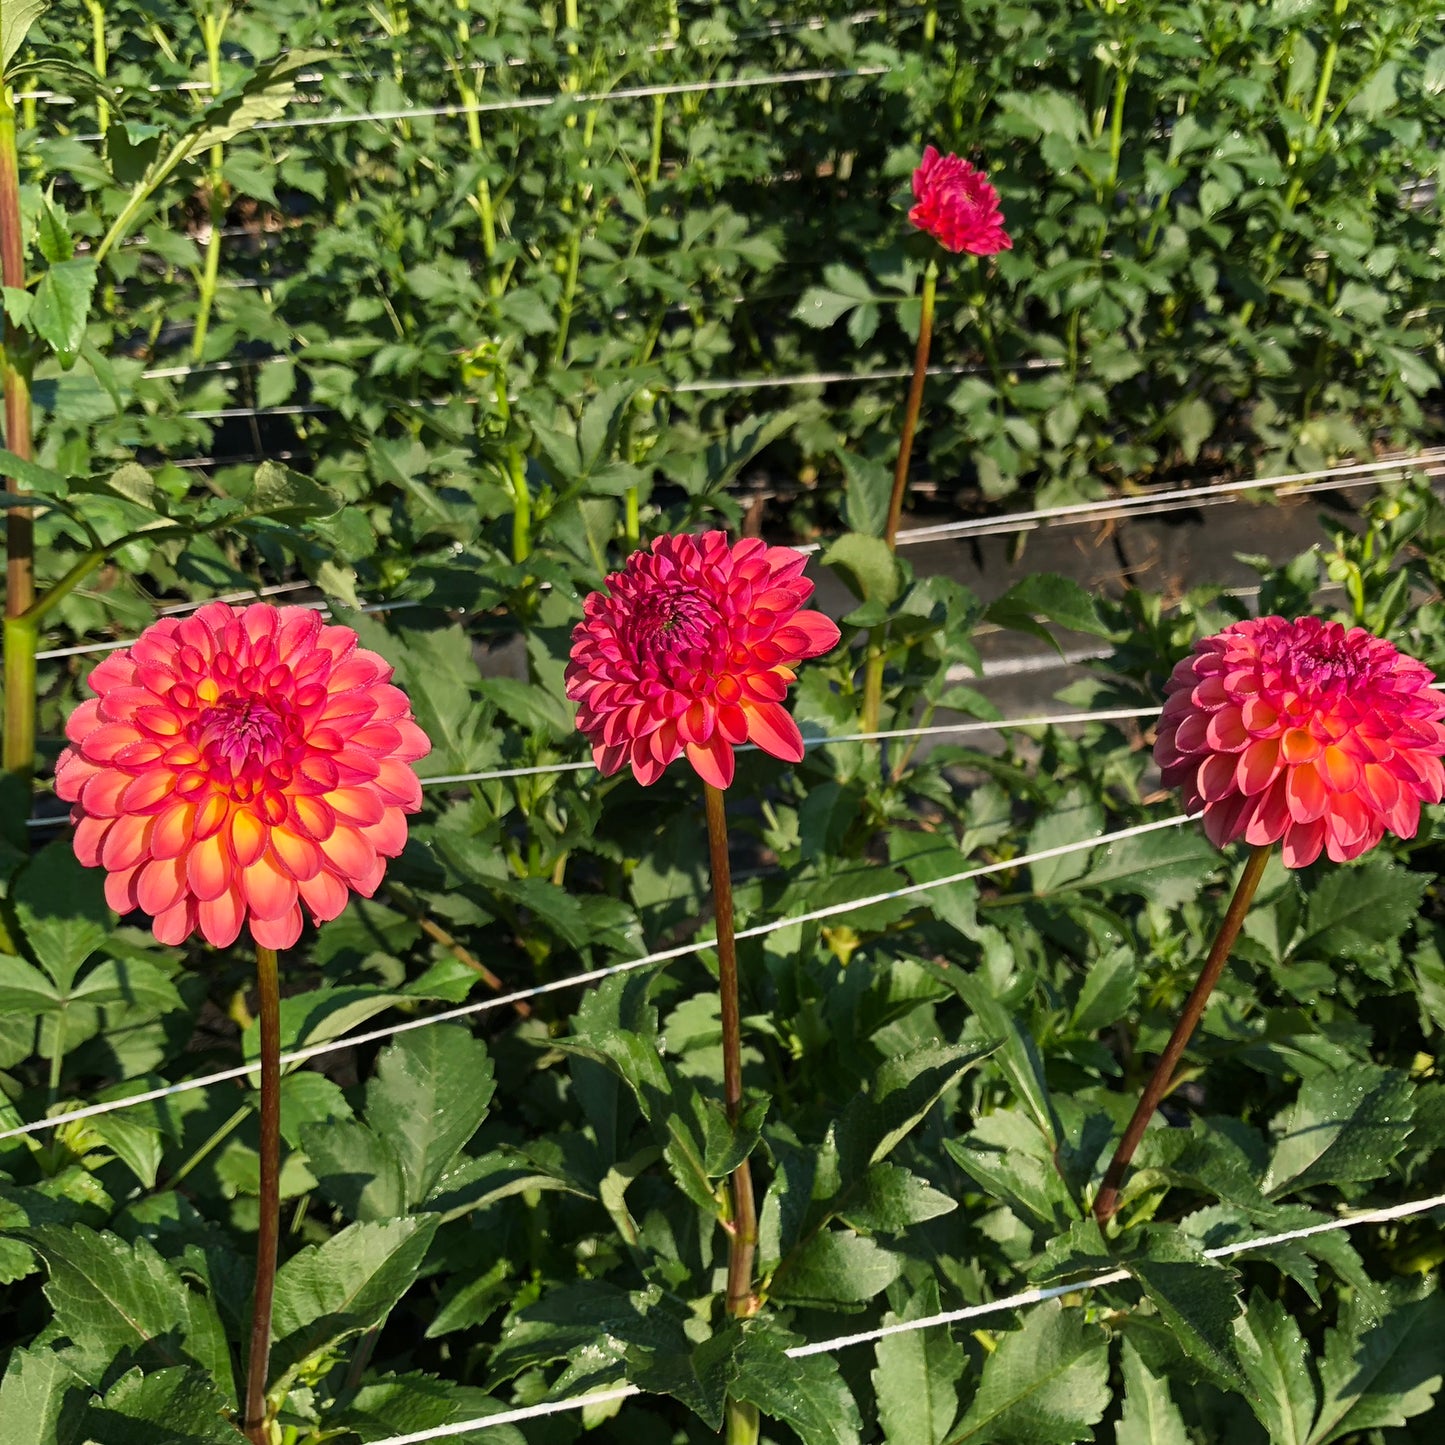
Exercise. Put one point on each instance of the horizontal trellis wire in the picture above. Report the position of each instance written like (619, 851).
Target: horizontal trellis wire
(1021, 1300)
(595, 975)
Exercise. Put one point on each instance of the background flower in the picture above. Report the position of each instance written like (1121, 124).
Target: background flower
(1302, 731)
(691, 649)
(237, 764)
(957, 206)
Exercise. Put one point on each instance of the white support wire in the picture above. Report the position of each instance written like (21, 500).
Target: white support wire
(1022, 1300)
(1431, 460)
(595, 975)
(823, 741)
(585, 97)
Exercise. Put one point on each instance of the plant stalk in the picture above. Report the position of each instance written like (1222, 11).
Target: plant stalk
(873, 671)
(269, 1232)
(212, 27)
(100, 60)
(20, 636)
(744, 1234)
(1161, 1080)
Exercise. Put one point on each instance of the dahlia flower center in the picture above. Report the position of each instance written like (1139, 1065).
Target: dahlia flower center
(243, 733)
(1326, 667)
(674, 625)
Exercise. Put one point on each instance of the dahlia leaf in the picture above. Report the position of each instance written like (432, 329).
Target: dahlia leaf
(868, 567)
(1277, 1366)
(1196, 1297)
(328, 1292)
(1353, 910)
(1150, 1415)
(915, 1380)
(62, 912)
(177, 1406)
(1342, 1128)
(355, 1169)
(1051, 598)
(429, 1095)
(999, 1155)
(414, 1403)
(35, 1400)
(1046, 1383)
(1382, 1364)
(809, 1395)
(889, 1200)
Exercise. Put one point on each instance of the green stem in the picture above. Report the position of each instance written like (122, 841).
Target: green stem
(743, 1224)
(213, 26)
(516, 465)
(21, 639)
(269, 1231)
(19, 527)
(873, 668)
(99, 58)
(1161, 1080)
(574, 247)
(1297, 181)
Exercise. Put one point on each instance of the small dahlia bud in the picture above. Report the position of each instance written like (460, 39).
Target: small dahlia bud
(1306, 732)
(690, 650)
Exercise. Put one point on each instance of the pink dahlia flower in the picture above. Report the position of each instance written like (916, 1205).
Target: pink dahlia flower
(1303, 731)
(957, 206)
(236, 765)
(691, 650)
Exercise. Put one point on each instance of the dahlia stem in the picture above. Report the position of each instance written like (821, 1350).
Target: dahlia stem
(742, 1418)
(19, 743)
(873, 669)
(1161, 1080)
(269, 1231)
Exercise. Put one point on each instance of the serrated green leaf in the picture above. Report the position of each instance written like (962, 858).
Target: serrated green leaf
(808, 1394)
(1150, 1415)
(1368, 904)
(1382, 1364)
(868, 567)
(1045, 596)
(431, 1091)
(916, 1375)
(36, 1398)
(1276, 1364)
(836, 1267)
(1196, 1296)
(328, 1292)
(174, 1406)
(62, 306)
(62, 911)
(889, 1199)
(1342, 1128)
(415, 1403)
(355, 1169)
(1046, 1383)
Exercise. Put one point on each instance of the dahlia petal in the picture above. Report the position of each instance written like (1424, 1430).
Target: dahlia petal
(1225, 730)
(772, 728)
(100, 793)
(1305, 793)
(1216, 777)
(72, 772)
(220, 918)
(83, 721)
(397, 783)
(209, 867)
(126, 842)
(356, 805)
(120, 890)
(713, 761)
(314, 817)
(176, 924)
(89, 839)
(1271, 815)
(348, 852)
(249, 836)
(645, 768)
(148, 793)
(277, 933)
(212, 815)
(297, 855)
(268, 890)
(1298, 745)
(160, 885)
(388, 836)
(1303, 842)
(325, 896)
(1339, 770)
(1258, 766)
(1225, 820)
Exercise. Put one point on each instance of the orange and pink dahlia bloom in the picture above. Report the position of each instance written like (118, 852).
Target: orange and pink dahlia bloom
(690, 650)
(238, 765)
(957, 206)
(1303, 732)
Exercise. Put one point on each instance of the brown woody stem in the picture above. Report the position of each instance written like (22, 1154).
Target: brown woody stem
(742, 1418)
(1161, 1080)
(873, 667)
(269, 1231)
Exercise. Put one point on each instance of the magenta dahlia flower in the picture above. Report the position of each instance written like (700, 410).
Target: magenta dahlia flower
(957, 206)
(236, 765)
(691, 650)
(1305, 732)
